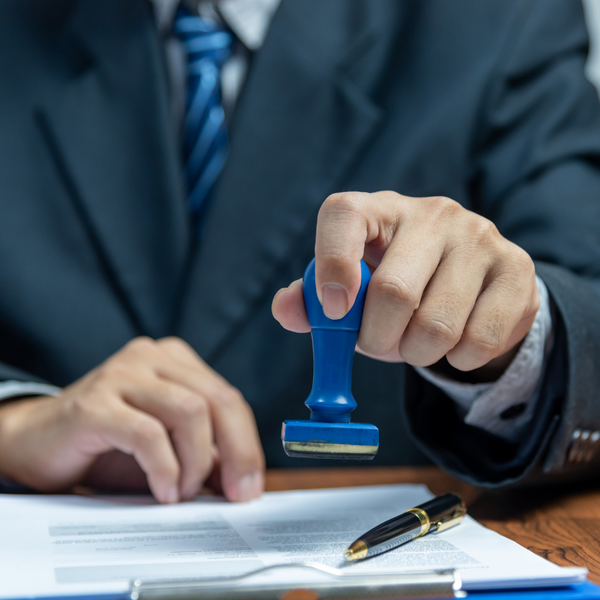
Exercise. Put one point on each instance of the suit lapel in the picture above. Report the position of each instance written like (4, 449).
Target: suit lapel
(298, 129)
(120, 157)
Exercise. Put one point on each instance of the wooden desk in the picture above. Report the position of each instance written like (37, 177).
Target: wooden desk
(562, 526)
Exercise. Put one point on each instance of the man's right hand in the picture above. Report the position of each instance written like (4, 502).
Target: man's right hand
(155, 401)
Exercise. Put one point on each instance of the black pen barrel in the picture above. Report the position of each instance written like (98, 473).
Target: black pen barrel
(392, 529)
(411, 524)
(441, 507)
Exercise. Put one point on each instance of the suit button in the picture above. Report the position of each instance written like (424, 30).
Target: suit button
(584, 443)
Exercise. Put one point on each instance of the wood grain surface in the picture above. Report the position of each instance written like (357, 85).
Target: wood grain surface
(560, 524)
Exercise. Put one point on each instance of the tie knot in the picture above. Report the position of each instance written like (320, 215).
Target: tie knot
(202, 38)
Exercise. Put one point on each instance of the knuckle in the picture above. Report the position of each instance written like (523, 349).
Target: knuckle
(191, 406)
(335, 262)
(342, 202)
(374, 346)
(112, 370)
(527, 314)
(484, 231)
(523, 263)
(170, 340)
(147, 431)
(395, 289)
(518, 277)
(83, 408)
(174, 342)
(438, 332)
(445, 207)
(486, 343)
(534, 305)
(230, 398)
(141, 345)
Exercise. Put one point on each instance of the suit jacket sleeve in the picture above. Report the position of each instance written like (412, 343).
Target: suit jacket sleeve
(537, 176)
(11, 373)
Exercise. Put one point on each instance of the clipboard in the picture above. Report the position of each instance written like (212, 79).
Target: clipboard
(438, 585)
(441, 585)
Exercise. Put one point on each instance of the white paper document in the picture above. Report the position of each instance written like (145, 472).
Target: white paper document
(70, 545)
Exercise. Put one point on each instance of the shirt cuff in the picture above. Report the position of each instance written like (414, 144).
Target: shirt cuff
(14, 389)
(504, 407)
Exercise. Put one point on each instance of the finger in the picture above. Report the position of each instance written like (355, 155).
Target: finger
(342, 232)
(500, 319)
(240, 450)
(186, 415)
(184, 355)
(114, 471)
(214, 479)
(234, 427)
(135, 432)
(393, 356)
(396, 288)
(288, 308)
(438, 323)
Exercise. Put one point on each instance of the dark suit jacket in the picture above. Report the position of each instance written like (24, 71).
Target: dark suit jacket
(479, 100)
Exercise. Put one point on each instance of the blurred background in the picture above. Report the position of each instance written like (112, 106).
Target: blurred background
(592, 9)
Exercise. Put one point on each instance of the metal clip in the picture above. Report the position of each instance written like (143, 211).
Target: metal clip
(336, 583)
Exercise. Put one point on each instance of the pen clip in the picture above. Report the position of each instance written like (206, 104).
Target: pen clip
(450, 520)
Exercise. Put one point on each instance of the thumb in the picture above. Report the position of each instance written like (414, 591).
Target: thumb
(338, 283)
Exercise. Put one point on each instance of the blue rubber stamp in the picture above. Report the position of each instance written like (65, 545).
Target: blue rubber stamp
(329, 433)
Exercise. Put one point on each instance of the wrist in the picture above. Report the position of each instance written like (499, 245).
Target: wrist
(17, 419)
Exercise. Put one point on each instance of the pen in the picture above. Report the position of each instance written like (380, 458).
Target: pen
(436, 515)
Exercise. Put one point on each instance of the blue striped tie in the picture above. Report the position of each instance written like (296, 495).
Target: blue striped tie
(205, 144)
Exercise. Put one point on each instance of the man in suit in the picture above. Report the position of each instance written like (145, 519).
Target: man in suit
(137, 343)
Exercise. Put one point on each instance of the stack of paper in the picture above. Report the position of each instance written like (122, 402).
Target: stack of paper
(68, 545)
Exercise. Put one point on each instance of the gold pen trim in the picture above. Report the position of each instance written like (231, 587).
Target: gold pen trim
(454, 519)
(357, 551)
(423, 518)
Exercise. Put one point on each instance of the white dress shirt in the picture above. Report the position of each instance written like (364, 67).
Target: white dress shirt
(503, 407)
